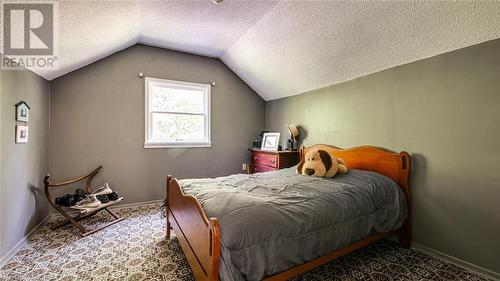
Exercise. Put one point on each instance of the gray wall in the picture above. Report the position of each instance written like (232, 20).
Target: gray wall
(98, 119)
(445, 111)
(2, 250)
(23, 166)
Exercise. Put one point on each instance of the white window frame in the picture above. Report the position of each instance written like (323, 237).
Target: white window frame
(148, 141)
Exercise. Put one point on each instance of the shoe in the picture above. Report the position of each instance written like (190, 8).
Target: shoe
(104, 190)
(89, 202)
(63, 200)
(68, 200)
(113, 196)
(103, 198)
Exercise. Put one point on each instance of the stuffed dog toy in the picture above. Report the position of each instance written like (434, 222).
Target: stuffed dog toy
(320, 163)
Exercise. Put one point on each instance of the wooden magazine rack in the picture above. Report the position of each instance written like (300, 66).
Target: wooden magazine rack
(82, 214)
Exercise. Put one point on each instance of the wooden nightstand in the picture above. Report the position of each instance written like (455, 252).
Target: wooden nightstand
(265, 161)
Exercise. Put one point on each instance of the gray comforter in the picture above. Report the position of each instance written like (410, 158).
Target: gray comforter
(273, 221)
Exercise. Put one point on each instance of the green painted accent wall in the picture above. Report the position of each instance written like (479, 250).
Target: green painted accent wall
(445, 111)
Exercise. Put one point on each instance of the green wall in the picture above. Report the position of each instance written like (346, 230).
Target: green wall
(445, 111)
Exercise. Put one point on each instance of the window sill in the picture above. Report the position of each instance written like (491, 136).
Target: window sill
(176, 145)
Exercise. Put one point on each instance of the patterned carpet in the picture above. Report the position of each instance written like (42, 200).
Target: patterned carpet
(136, 249)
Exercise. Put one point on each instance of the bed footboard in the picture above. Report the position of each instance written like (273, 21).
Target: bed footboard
(198, 235)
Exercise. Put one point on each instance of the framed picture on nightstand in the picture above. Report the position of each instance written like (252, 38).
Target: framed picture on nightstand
(270, 141)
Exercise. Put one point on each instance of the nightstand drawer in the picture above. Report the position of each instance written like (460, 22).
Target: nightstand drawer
(270, 160)
(265, 161)
(262, 168)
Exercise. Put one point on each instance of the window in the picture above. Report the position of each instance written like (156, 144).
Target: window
(177, 114)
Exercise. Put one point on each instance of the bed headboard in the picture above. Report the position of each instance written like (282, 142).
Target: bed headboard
(393, 165)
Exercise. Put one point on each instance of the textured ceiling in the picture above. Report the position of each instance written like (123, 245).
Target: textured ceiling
(279, 48)
(91, 30)
(301, 46)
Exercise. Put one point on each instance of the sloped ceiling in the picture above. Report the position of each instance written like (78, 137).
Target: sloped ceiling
(91, 30)
(280, 48)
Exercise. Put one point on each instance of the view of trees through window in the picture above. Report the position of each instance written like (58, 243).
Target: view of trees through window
(177, 114)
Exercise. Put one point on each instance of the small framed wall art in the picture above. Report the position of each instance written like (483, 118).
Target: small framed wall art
(270, 141)
(21, 134)
(22, 111)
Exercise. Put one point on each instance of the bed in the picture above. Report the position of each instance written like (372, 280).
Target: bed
(276, 225)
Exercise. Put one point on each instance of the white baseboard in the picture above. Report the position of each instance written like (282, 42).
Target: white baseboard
(12, 252)
(456, 261)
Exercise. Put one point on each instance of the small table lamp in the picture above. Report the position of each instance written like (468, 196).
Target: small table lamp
(294, 132)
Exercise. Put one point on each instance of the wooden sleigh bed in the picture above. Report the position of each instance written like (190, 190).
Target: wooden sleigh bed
(199, 236)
